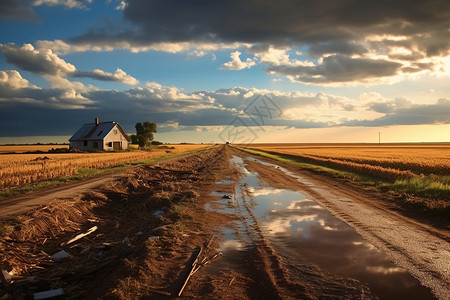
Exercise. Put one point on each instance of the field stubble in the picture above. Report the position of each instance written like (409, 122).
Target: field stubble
(20, 169)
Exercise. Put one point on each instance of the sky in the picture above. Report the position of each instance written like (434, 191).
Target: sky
(240, 71)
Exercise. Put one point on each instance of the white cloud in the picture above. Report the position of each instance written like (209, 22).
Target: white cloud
(45, 62)
(62, 47)
(62, 94)
(42, 61)
(66, 3)
(13, 79)
(236, 63)
(274, 56)
(62, 83)
(119, 76)
(121, 5)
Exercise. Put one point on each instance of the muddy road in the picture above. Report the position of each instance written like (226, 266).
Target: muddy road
(342, 230)
(224, 224)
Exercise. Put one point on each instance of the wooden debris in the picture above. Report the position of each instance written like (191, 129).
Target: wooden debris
(231, 281)
(82, 235)
(206, 261)
(193, 266)
(99, 266)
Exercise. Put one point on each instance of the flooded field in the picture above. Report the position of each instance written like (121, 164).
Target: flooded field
(299, 229)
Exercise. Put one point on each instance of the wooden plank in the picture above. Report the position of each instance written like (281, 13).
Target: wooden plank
(191, 271)
(82, 235)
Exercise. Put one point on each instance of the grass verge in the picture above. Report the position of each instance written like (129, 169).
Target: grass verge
(435, 189)
(84, 173)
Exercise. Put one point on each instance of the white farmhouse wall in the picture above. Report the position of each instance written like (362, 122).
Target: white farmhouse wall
(115, 135)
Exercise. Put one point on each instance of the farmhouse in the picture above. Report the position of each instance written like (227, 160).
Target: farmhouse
(100, 136)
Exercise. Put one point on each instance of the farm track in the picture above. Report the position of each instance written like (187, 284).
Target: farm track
(181, 187)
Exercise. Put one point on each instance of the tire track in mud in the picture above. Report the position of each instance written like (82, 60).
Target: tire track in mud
(411, 246)
(271, 264)
(280, 278)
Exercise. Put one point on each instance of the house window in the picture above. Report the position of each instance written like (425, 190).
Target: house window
(95, 144)
(85, 143)
(115, 131)
(110, 144)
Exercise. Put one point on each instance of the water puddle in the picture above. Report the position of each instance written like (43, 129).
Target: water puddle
(299, 228)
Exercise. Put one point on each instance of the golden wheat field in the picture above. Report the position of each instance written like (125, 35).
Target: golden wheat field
(387, 161)
(30, 148)
(18, 169)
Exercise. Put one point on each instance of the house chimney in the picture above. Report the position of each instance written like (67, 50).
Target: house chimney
(96, 121)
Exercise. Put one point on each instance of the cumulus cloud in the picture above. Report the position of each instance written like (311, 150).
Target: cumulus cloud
(45, 62)
(40, 61)
(236, 63)
(169, 105)
(272, 56)
(12, 79)
(15, 90)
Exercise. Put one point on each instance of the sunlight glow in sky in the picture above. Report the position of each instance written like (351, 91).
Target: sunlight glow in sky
(332, 70)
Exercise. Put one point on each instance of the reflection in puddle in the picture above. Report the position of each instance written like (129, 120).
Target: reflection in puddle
(300, 228)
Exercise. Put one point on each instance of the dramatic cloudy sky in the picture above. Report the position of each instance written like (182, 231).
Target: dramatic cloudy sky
(210, 71)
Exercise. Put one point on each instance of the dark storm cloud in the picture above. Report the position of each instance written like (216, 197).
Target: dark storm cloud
(351, 31)
(283, 22)
(339, 68)
(342, 47)
(403, 112)
(16, 9)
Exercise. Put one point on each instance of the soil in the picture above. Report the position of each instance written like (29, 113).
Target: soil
(153, 230)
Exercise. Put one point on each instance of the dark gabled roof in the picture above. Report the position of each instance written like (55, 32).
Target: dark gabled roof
(90, 131)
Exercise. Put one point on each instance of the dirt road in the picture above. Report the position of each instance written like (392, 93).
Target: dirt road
(257, 228)
(422, 250)
(23, 204)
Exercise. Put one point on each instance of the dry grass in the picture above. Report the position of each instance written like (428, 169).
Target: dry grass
(19, 169)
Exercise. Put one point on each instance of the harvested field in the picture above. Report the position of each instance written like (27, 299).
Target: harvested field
(392, 161)
(410, 169)
(19, 169)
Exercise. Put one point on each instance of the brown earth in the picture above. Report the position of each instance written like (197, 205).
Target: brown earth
(135, 255)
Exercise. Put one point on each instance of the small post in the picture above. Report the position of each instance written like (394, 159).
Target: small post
(379, 137)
